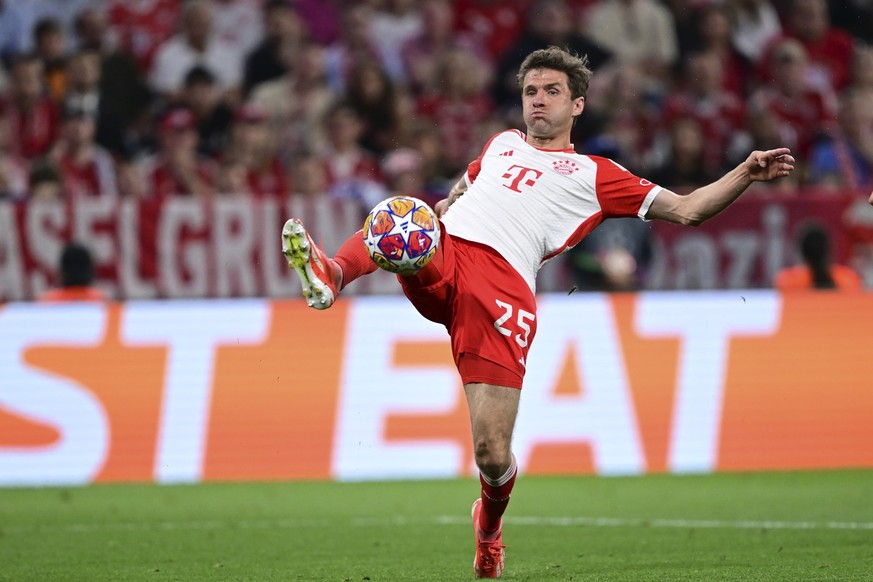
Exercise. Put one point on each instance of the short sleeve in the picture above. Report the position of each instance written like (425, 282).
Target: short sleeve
(620, 192)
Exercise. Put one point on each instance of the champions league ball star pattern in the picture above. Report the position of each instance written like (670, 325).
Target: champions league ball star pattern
(401, 234)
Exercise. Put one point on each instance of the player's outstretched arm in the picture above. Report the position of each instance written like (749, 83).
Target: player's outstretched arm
(707, 201)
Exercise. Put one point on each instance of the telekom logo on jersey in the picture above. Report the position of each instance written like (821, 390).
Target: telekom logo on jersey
(520, 175)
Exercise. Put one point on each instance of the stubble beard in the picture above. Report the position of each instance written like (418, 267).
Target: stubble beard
(540, 128)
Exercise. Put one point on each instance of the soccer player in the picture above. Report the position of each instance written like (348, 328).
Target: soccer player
(527, 198)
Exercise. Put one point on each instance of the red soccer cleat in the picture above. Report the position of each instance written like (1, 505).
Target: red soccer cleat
(490, 554)
(316, 270)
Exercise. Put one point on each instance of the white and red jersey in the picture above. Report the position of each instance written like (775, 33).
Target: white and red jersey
(95, 177)
(141, 26)
(530, 204)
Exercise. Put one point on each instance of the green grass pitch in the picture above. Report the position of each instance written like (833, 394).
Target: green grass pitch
(792, 526)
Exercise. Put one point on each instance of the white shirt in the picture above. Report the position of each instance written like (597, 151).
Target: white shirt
(239, 23)
(752, 33)
(634, 32)
(176, 57)
(530, 205)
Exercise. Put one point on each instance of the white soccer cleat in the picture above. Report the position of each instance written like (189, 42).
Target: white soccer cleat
(315, 269)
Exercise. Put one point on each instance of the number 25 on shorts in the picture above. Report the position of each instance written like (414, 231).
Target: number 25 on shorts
(523, 321)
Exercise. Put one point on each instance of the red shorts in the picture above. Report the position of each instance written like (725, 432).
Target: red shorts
(487, 307)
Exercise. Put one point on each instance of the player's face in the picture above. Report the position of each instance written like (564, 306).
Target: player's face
(547, 104)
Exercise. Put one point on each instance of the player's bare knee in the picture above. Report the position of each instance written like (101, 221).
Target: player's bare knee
(492, 457)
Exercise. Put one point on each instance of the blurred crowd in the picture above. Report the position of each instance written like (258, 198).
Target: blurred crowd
(359, 99)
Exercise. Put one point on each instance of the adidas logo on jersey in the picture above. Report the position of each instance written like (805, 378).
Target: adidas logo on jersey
(565, 167)
(507, 153)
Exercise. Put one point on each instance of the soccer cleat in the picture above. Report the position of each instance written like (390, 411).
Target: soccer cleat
(490, 554)
(311, 264)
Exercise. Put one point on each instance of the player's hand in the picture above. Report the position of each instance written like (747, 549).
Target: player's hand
(441, 207)
(770, 164)
(871, 198)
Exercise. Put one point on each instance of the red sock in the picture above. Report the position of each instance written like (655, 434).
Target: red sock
(353, 259)
(495, 498)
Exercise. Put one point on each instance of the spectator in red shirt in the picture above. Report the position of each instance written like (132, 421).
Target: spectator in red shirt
(87, 169)
(721, 114)
(253, 147)
(498, 23)
(30, 112)
(829, 49)
(807, 110)
(177, 168)
(421, 53)
(309, 176)
(141, 26)
(13, 168)
(713, 34)
(353, 173)
(459, 105)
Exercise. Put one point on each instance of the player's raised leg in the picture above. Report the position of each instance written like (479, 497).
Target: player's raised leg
(493, 410)
(322, 277)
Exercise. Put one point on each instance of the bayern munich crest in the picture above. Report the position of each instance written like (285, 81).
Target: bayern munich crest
(565, 167)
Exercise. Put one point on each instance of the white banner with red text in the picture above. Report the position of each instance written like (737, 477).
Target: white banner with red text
(229, 247)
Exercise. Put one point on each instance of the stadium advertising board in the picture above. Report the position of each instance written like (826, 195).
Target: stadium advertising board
(190, 391)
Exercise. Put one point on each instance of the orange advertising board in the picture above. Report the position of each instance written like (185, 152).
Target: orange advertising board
(189, 391)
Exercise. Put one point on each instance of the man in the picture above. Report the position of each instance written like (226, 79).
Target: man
(195, 44)
(213, 116)
(527, 198)
(177, 169)
(282, 28)
(75, 277)
(87, 169)
(105, 71)
(29, 111)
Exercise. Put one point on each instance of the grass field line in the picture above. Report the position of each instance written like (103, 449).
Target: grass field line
(451, 520)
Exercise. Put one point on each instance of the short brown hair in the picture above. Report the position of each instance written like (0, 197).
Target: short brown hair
(558, 59)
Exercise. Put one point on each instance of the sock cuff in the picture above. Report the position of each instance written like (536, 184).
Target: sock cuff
(505, 478)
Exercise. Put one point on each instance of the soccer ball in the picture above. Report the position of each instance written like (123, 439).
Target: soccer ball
(401, 234)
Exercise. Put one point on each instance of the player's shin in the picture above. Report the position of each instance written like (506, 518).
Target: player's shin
(495, 498)
(353, 259)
